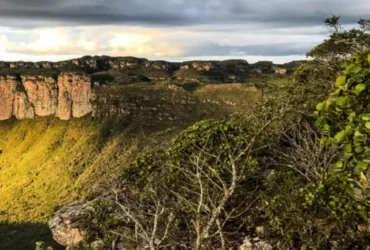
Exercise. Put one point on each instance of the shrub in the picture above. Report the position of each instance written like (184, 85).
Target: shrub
(194, 194)
(42, 246)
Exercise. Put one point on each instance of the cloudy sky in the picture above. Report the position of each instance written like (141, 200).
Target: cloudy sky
(175, 30)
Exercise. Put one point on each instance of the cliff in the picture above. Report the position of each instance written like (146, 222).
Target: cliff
(46, 163)
(69, 95)
(94, 85)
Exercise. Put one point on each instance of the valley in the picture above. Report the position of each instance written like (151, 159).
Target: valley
(69, 128)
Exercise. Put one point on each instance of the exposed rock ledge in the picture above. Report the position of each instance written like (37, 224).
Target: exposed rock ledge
(66, 229)
(69, 96)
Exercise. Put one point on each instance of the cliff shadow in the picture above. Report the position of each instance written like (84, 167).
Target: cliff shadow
(23, 236)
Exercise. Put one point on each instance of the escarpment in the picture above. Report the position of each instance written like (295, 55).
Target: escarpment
(75, 96)
(24, 97)
(97, 85)
(42, 93)
(8, 89)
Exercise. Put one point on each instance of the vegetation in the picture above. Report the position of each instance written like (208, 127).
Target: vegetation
(47, 163)
(290, 168)
(190, 194)
(277, 173)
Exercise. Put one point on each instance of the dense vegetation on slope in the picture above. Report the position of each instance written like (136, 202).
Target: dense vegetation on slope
(273, 174)
(46, 163)
(187, 193)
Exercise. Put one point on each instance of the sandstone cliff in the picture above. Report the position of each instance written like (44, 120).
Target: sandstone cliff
(75, 88)
(24, 97)
(75, 96)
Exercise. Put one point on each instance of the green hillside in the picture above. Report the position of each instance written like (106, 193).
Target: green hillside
(47, 163)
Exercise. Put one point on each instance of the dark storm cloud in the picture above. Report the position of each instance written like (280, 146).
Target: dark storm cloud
(181, 12)
(200, 28)
(85, 14)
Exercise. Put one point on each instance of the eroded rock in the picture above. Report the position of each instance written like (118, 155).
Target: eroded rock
(255, 244)
(42, 92)
(75, 96)
(22, 108)
(8, 87)
(65, 225)
(69, 96)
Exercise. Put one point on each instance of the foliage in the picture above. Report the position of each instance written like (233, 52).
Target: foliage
(315, 78)
(98, 219)
(47, 163)
(342, 44)
(335, 202)
(344, 118)
(42, 246)
(15, 236)
(221, 180)
(190, 194)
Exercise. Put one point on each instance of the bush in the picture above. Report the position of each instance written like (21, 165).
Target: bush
(42, 246)
(194, 194)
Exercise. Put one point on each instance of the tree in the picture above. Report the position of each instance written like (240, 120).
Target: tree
(314, 79)
(342, 44)
(333, 23)
(345, 120)
(195, 194)
(206, 171)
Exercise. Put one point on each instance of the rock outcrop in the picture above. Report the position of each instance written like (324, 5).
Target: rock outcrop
(75, 96)
(24, 97)
(34, 89)
(22, 108)
(65, 225)
(42, 93)
(255, 244)
(8, 87)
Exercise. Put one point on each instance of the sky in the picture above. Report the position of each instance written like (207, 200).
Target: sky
(173, 30)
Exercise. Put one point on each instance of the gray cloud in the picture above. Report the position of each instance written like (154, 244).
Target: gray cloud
(180, 12)
(286, 49)
(188, 28)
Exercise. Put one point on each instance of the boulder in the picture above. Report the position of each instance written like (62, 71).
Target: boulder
(255, 244)
(64, 225)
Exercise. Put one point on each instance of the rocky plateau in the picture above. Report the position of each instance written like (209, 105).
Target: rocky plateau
(72, 89)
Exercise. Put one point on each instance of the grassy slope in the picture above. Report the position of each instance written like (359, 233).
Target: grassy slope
(47, 163)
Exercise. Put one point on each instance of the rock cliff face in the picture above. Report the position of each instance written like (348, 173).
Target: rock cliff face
(42, 93)
(29, 89)
(75, 96)
(8, 88)
(24, 97)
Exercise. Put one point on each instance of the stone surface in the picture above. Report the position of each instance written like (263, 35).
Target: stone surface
(281, 71)
(8, 87)
(42, 92)
(22, 108)
(27, 89)
(64, 225)
(255, 244)
(69, 96)
(75, 96)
